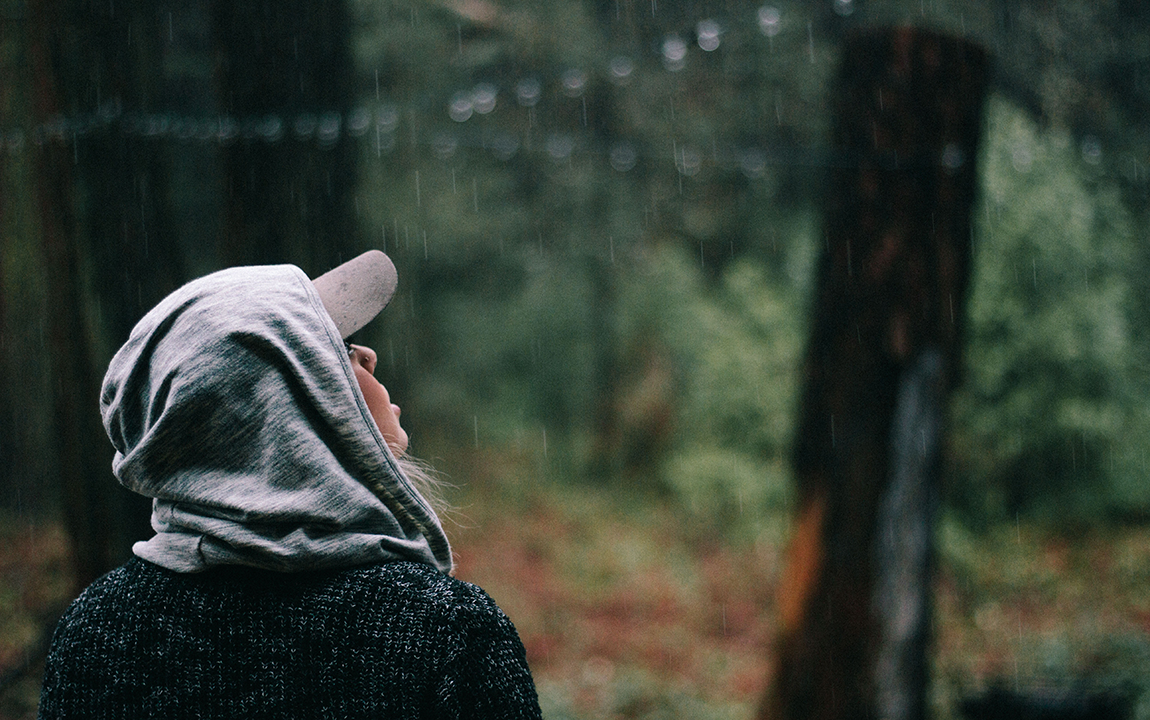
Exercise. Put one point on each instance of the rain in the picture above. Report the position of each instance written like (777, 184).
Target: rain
(691, 296)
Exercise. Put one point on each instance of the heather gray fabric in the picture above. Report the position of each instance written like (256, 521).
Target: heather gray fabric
(234, 405)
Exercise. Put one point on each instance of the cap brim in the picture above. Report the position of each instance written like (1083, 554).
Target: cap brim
(355, 292)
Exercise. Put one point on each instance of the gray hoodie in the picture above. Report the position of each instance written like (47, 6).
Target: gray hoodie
(233, 404)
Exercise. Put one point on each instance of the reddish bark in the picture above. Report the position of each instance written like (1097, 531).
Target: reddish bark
(890, 295)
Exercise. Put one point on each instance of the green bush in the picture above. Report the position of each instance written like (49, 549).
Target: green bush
(736, 346)
(1049, 409)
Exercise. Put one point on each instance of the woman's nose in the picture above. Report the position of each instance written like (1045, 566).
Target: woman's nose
(365, 357)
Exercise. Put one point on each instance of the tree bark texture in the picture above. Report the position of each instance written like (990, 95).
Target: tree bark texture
(74, 400)
(884, 348)
(285, 71)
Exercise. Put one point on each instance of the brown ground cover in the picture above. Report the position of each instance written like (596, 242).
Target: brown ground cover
(629, 607)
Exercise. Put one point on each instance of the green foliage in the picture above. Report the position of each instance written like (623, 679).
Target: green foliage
(599, 317)
(736, 347)
(645, 324)
(1049, 405)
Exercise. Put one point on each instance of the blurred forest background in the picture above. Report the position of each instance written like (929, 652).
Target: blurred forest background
(607, 219)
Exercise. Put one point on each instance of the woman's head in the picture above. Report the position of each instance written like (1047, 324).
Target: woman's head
(353, 294)
(236, 406)
(379, 404)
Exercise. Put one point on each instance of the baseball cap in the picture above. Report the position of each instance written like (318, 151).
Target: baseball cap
(356, 291)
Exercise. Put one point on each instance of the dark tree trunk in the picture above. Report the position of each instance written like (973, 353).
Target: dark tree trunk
(286, 74)
(78, 435)
(130, 207)
(884, 349)
(114, 245)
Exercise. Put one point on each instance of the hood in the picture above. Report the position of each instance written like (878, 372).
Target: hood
(233, 404)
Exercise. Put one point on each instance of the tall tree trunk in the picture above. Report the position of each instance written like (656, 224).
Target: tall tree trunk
(79, 438)
(112, 248)
(855, 599)
(286, 73)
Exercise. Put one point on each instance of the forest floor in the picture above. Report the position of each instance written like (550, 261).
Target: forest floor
(629, 607)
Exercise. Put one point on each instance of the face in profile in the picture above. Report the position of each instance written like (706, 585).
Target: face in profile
(383, 411)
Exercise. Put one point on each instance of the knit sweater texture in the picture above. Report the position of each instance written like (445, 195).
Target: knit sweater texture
(396, 640)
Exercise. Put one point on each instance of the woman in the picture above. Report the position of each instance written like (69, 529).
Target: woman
(296, 571)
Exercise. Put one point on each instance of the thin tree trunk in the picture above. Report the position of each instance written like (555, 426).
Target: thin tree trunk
(885, 342)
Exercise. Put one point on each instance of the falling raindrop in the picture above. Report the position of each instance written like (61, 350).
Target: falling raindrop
(707, 33)
(574, 82)
(483, 98)
(528, 91)
(461, 107)
(844, 8)
(1131, 168)
(623, 157)
(674, 53)
(769, 20)
(621, 68)
(689, 161)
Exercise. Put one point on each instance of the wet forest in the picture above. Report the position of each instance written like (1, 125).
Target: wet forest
(741, 331)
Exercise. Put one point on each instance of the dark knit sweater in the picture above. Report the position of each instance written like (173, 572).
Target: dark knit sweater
(393, 640)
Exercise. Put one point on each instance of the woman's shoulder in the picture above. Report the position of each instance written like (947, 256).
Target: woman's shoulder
(140, 597)
(139, 581)
(401, 632)
(419, 580)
